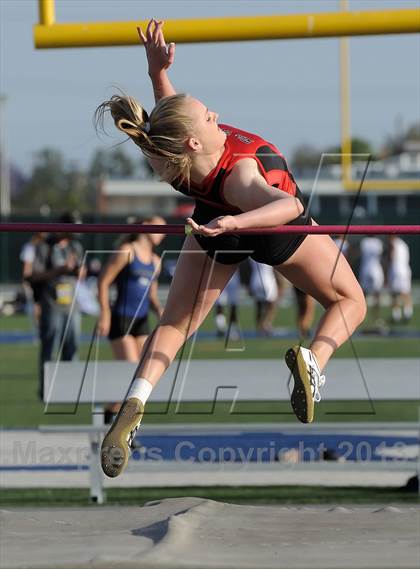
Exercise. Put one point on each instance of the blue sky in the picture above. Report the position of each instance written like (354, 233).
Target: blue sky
(286, 91)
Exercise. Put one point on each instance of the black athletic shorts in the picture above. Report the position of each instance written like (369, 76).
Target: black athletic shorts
(125, 325)
(271, 249)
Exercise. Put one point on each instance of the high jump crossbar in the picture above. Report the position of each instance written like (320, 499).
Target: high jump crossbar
(49, 34)
(180, 229)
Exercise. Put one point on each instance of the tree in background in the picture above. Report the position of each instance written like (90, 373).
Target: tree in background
(413, 132)
(399, 141)
(358, 146)
(305, 158)
(117, 164)
(50, 184)
(57, 185)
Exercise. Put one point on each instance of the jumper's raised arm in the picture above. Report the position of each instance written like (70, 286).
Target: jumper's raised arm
(160, 57)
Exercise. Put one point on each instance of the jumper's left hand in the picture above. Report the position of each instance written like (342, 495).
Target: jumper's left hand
(215, 227)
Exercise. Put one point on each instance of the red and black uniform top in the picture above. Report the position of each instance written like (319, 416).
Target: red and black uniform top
(240, 144)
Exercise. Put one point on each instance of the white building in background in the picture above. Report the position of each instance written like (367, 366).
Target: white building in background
(400, 166)
(405, 165)
(137, 197)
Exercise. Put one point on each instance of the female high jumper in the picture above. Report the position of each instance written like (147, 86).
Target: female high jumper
(239, 181)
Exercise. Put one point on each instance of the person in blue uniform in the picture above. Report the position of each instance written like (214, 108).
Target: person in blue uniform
(134, 269)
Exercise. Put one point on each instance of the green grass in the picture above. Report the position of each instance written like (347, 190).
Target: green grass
(279, 495)
(20, 407)
(285, 317)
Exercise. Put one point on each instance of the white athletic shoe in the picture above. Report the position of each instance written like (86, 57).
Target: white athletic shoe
(118, 442)
(307, 382)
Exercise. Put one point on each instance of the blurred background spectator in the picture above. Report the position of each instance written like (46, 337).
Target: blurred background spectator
(399, 279)
(56, 268)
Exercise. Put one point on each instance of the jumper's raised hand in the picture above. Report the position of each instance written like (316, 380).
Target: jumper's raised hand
(159, 55)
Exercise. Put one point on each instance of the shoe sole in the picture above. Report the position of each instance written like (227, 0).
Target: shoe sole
(115, 449)
(301, 398)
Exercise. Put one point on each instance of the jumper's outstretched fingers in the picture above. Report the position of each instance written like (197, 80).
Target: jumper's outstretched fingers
(141, 35)
(160, 56)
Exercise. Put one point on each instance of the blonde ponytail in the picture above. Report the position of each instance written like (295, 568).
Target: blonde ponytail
(162, 135)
